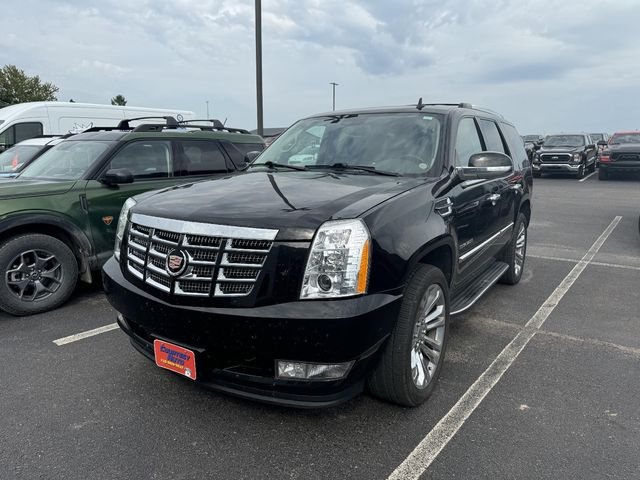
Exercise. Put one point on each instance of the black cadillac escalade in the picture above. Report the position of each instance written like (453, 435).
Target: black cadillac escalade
(334, 261)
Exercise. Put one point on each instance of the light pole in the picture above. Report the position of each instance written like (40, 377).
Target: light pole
(333, 86)
(207, 109)
(259, 64)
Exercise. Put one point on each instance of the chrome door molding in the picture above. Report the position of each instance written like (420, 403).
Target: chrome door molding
(487, 242)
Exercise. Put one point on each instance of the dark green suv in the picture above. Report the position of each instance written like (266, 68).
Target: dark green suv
(58, 219)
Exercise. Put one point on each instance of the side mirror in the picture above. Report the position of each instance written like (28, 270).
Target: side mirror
(251, 156)
(486, 166)
(602, 143)
(117, 176)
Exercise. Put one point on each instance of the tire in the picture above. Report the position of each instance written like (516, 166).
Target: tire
(393, 378)
(592, 169)
(515, 253)
(603, 174)
(39, 273)
(581, 171)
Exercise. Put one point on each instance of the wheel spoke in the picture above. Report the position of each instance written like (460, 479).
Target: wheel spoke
(430, 342)
(432, 355)
(435, 319)
(41, 288)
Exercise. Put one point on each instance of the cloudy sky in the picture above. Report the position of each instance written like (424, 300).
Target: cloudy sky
(546, 65)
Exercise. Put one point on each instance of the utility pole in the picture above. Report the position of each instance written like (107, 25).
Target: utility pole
(207, 109)
(259, 64)
(333, 86)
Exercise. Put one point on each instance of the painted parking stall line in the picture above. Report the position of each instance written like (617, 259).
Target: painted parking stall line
(590, 175)
(89, 333)
(430, 447)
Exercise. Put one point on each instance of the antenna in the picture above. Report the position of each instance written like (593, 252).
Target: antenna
(420, 105)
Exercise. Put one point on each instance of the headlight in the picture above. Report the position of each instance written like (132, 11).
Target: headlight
(338, 264)
(577, 157)
(122, 223)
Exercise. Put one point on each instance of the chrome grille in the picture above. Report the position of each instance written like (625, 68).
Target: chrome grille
(222, 261)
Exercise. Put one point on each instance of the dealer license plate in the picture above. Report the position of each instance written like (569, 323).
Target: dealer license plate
(175, 358)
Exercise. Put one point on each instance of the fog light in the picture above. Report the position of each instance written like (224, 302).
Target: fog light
(312, 371)
(324, 282)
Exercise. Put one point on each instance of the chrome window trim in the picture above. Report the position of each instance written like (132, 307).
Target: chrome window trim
(209, 229)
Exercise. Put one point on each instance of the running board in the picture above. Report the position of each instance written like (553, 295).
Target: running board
(470, 294)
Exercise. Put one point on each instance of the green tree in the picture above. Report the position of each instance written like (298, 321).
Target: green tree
(119, 100)
(18, 87)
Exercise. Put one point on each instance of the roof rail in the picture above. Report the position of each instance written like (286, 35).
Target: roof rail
(170, 122)
(217, 126)
(483, 109)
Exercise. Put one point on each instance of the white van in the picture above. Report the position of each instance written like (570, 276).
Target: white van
(27, 120)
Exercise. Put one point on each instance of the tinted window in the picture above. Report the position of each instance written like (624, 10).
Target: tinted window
(145, 159)
(491, 136)
(25, 131)
(467, 141)
(201, 158)
(514, 142)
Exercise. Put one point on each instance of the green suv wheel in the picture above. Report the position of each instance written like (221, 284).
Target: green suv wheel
(39, 273)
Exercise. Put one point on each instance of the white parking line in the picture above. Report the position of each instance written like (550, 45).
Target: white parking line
(89, 333)
(438, 438)
(571, 260)
(583, 179)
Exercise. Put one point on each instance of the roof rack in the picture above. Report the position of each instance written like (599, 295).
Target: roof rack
(124, 124)
(217, 125)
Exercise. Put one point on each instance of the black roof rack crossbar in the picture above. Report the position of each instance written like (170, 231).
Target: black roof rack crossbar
(216, 123)
(100, 129)
(170, 122)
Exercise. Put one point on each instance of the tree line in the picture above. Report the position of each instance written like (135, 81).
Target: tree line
(18, 87)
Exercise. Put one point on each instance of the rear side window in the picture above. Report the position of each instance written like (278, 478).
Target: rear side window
(19, 132)
(200, 157)
(467, 141)
(516, 147)
(491, 136)
(145, 159)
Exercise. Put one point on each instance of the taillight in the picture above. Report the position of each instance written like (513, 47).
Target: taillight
(605, 159)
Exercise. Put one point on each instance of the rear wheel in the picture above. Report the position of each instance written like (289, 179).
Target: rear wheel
(516, 252)
(603, 174)
(39, 273)
(412, 358)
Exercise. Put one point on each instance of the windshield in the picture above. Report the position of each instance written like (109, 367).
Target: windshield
(66, 161)
(402, 143)
(625, 138)
(13, 159)
(564, 141)
(596, 137)
(531, 138)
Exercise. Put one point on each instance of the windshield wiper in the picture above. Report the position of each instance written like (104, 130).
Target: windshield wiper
(362, 168)
(274, 165)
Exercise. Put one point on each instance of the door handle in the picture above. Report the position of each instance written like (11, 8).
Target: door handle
(493, 198)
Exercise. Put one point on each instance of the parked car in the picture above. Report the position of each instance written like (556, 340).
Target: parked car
(566, 153)
(57, 216)
(297, 283)
(33, 119)
(14, 160)
(532, 143)
(597, 138)
(620, 155)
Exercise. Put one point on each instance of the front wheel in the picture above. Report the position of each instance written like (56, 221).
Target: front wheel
(516, 252)
(412, 358)
(39, 273)
(581, 171)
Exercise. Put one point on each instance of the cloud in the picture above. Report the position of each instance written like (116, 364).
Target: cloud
(525, 58)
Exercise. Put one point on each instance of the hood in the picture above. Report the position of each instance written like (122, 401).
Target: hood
(561, 149)
(10, 188)
(296, 203)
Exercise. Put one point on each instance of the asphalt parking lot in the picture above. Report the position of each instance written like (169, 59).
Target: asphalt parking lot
(540, 381)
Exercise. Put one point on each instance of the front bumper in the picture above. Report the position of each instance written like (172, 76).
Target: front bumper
(236, 348)
(556, 167)
(622, 167)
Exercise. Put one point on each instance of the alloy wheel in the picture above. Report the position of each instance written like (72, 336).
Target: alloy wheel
(428, 336)
(521, 244)
(33, 275)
